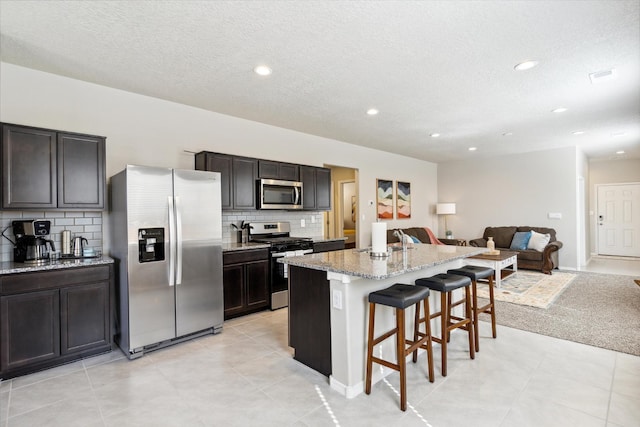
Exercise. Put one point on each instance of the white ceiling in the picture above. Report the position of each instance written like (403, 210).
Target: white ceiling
(428, 66)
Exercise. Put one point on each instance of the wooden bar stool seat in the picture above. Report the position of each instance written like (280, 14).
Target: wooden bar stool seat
(476, 273)
(446, 284)
(398, 296)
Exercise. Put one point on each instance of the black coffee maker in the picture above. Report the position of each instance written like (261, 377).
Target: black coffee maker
(32, 245)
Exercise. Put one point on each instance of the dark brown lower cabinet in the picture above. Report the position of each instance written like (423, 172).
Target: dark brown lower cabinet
(53, 317)
(245, 280)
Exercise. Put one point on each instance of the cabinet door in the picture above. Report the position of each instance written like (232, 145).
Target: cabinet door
(219, 163)
(289, 172)
(323, 189)
(234, 290)
(28, 168)
(29, 328)
(257, 284)
(308, 179)
(84, 317)
(81, 176)
(245, 174)
(268, 169)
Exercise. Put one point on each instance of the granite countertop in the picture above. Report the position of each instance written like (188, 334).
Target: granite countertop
(229, 247)
(10, 267)
(358, 262)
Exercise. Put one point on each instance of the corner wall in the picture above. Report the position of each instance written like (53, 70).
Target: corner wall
(519, 189)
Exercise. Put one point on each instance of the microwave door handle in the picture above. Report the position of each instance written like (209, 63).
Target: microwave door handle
(296, 197)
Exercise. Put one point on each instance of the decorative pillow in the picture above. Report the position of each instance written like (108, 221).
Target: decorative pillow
(520, 240)
(538, 241)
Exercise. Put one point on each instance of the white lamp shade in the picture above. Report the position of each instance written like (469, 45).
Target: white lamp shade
(446, 208)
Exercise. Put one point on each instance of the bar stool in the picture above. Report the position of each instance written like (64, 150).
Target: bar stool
(476, 273)
(445, 284)
(398, 296)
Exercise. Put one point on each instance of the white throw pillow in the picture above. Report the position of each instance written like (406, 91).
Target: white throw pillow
(538, 241)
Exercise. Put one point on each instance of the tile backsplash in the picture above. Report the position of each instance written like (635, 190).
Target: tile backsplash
(85, 224)
(313, 222)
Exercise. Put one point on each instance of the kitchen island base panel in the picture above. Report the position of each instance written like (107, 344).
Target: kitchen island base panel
(349, 326)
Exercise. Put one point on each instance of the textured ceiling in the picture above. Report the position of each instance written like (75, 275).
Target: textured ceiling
(429, 67)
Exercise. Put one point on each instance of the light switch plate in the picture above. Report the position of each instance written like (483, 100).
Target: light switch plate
(337, 299)
(554, 215)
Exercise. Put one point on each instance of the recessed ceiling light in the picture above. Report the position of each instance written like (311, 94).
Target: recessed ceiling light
(262, 70)
(372, 111)
(620, 152)
(434, 135)
(578, 132)
(473, 148)
(619, 134)
(526, 65)
(507, 134)
(559, 110)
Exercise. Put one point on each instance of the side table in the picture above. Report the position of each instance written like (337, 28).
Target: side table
(454, 242)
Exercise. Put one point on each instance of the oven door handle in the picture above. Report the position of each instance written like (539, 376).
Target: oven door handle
(284, 254)
(278, 255)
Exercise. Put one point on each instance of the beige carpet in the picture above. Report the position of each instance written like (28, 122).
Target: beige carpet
(602, 310)
(530, 288)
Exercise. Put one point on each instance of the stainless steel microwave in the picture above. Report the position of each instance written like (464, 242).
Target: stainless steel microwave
(279, 194)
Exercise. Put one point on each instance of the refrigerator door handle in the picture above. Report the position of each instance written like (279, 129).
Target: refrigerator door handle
(178, 241)
(172, 238)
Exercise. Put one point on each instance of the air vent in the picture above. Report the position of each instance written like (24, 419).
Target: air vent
(602, 76)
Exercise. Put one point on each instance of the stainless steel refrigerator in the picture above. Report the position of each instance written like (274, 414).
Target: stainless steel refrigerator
(166, 238)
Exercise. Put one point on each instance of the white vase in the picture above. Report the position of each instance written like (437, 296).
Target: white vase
(491, 245)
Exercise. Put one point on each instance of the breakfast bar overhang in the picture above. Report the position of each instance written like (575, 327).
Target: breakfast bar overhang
(328, 304)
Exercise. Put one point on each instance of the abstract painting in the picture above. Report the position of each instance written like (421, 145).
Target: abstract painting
(385, 199)
(403, 204)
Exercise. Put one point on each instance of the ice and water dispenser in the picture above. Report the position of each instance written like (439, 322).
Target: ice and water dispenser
(150, 244)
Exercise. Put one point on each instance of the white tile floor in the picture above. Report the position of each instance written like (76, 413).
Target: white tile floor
(245, 376)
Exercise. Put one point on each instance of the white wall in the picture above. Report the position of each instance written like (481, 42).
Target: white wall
(149, 131)
(608, 172)
(516, 190)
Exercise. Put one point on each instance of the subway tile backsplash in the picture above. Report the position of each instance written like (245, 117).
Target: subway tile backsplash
(313, 222)
(85, 224)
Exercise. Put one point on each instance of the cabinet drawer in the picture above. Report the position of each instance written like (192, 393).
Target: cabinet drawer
(26, 282)
(238, 257)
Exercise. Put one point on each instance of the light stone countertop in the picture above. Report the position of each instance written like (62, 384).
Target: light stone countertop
(358, 262)
(231, 247)
(10, 267)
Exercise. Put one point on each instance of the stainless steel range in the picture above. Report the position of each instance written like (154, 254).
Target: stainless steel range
(282, 244)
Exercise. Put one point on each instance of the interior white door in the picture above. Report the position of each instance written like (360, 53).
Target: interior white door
(619, 219)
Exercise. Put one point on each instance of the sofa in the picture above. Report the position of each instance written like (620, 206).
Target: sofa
(543, 260)
(417, 232)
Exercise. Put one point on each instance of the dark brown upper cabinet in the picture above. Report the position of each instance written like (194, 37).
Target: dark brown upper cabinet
(316, 190)
(47, 169)
(277, 170)
(238, 177)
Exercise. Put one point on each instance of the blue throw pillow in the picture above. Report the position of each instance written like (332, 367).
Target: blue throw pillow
(520, 240)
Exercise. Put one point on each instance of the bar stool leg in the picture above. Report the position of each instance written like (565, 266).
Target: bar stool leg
(427, 316)
(493, 307)
(476, 314)
(402, 357)
(372, 316)
(470, 327)
(444, 323)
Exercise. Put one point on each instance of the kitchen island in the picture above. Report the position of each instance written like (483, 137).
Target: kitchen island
(328, 305)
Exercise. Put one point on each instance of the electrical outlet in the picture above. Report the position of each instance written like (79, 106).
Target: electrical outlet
(303, 224)
(337, 299)
(313, 219)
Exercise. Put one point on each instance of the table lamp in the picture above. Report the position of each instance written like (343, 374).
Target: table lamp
(446, 209)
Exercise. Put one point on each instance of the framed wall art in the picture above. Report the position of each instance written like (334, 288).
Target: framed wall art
(403, 200)
(385, 198)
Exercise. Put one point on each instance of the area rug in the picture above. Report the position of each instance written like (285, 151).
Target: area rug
(601, 310)
(530, 288)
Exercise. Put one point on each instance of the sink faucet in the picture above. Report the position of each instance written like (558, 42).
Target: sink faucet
(400, 235)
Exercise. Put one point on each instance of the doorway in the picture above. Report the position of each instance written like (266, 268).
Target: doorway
(618, 219)
(341, 221)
